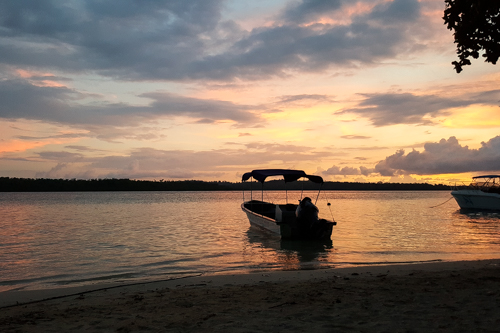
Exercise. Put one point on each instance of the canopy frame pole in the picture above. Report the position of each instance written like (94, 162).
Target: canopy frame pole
(262, 192)
(286, 193)
(251, 190)
(302, 190)
(317, 197)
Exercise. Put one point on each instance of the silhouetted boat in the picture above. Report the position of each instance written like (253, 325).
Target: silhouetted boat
(483, 193)
(284, 219)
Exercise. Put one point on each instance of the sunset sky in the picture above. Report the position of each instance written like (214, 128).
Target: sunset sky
(353, 90)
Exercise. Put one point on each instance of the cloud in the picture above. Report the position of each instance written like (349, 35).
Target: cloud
(365, 148)
(83, 148)
(335, 170)
(355, 137)
(488, 97)
(60, 156)
(303, 100)
(404, 179)
(276, 50)
(21, 99)
(101, 36)
(213, 110)
(445, 156)
(155, 163)
(55, 136)
(179, 40)
(307, 10)
(347, 171)
(396, 11)
(406, 108)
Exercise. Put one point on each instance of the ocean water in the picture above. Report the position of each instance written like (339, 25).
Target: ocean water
(50, 240)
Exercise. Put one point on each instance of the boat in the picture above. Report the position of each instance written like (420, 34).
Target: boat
(287, 220)
(483, 193)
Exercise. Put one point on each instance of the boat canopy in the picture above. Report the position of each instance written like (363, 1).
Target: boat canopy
(288, 175)
(489, 176)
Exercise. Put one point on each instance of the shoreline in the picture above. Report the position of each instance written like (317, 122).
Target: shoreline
(446, 296)
(20, 297)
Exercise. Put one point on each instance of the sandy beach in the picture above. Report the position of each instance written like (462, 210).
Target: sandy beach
(430, 297)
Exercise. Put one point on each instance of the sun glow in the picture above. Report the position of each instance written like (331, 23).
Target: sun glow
(474, 116)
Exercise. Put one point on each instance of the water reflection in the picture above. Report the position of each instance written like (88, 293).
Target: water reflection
(476, 213)
(478, 228)
(86, 236)
(292, 254)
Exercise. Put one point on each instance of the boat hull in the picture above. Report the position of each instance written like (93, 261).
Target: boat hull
(477, 199)
(261, 222)
(282, 222)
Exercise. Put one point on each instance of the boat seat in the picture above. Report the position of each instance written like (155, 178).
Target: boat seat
(286, 213)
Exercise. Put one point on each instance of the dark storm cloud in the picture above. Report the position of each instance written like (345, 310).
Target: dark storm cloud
(406, 108)
(176, 40)
(21, 99)
(445, 156)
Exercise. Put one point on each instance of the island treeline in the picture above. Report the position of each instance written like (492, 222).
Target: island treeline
(8, 184)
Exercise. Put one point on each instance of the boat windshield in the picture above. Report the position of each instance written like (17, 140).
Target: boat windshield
(483, 182)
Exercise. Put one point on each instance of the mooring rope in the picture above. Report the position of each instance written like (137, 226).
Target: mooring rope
(441, 203)
(325, 196)
(329, 205)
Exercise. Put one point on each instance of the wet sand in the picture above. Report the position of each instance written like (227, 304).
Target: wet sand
(431, 297)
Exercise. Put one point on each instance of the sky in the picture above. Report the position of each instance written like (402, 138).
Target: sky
(352, 90)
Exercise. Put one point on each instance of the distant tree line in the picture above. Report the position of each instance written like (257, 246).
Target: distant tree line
(8, 184)
(58, 185)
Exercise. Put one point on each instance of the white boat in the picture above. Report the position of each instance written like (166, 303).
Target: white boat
(482, 194)
(284, 219)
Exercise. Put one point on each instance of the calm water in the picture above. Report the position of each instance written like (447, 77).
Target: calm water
(49, 240)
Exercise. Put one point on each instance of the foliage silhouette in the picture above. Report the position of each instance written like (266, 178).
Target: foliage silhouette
(477, 27)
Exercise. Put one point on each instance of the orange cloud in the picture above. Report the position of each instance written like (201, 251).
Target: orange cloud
(358, 8)
(26, 74)
(344, 16)
(11, 146)
(19, 146)
(49, 83)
